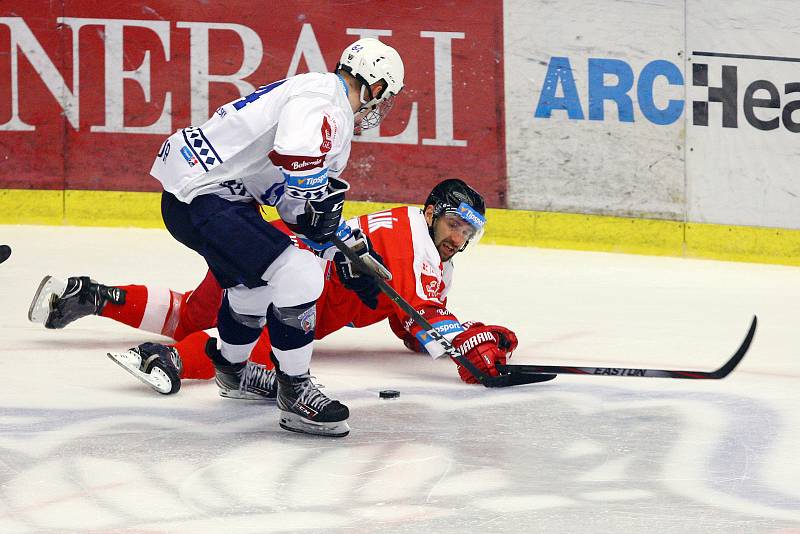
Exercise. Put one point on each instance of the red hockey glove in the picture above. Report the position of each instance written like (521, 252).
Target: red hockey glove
(507, 340)
(413, 344)
(480, 345)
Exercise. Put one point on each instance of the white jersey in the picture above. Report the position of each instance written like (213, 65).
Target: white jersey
(277, 146)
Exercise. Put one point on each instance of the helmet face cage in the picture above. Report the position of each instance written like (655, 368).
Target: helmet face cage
(367, 119)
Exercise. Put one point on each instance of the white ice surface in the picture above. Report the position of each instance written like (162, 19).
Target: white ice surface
(84, 447)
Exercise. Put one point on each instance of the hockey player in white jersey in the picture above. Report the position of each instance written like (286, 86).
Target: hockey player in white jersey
(285, 145)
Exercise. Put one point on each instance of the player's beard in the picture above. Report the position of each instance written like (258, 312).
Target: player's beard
(447, 249)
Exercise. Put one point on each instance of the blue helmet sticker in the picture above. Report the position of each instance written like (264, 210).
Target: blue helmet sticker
(466, 212)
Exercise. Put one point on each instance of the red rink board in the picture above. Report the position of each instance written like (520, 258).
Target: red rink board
(468, 143)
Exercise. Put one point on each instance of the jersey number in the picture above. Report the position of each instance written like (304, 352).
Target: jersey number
(164, 152)
(255, 95)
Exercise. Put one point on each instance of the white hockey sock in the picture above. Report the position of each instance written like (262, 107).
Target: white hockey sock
(159, 304)
(236, 353)
(294, 361)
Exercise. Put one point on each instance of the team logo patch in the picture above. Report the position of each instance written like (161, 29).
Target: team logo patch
(432, 283)
(200, 148)
(327, 136)
(188, 156)
(308, 319)
(432, 286)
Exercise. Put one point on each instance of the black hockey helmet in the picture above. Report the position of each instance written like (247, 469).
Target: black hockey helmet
(451, 193)
(455, 196)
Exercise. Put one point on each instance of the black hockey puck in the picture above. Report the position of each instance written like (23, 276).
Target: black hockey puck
(5, 252)
(389, 394)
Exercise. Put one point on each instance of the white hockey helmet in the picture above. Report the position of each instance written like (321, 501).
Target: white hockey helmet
(370, 61)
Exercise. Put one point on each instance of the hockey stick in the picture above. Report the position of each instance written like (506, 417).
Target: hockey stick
(722, 372)
(510, 378)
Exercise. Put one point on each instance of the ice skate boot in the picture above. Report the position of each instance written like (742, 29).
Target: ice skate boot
(157, 365)
(56, 303)
(245, 380)
(304, 408)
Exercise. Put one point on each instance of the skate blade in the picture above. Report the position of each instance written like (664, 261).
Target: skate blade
(240, 395)
(294, 423)
(41, 305)
(157, 379)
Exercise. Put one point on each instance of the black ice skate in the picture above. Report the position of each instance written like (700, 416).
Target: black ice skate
(56, 303)
(304, 408)
(245, 380)
(158, 366)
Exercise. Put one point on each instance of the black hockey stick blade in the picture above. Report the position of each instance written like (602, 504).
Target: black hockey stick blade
(722, 372)
(514, 378)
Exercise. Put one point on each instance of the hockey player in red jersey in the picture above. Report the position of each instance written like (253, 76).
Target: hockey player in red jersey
(417, 246)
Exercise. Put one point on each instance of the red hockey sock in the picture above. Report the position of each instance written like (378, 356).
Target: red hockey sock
(198, 309)
(196, 364)
(192, 350)
(132, 312)
(153, 309)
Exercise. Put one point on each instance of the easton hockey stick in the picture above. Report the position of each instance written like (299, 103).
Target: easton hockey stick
(509, 378)
(722, 372)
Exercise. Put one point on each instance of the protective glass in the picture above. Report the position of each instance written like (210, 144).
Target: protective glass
(467, 221)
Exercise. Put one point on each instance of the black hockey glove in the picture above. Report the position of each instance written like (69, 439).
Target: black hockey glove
(364, 285)
(322, 216)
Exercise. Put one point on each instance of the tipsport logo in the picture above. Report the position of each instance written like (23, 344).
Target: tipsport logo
(765, 104)
(471, 216)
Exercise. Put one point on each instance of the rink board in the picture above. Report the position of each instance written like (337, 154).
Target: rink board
(684, 111)
(89, 91)
(506, 227)
(656, 128)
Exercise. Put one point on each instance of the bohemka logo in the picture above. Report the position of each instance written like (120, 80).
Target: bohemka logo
(296, 165)
(295, 162)
(757, 94)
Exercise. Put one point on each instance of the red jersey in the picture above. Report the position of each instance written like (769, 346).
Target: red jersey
(401, 237)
